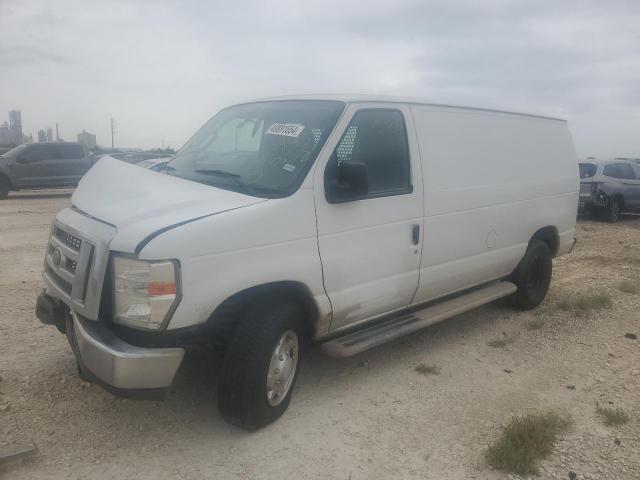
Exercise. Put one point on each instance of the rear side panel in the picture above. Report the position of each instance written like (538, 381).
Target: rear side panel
(491, 181)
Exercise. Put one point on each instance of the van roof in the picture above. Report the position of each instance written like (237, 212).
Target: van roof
(359, 98)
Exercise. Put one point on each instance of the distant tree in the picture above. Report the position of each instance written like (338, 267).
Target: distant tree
(167, 150)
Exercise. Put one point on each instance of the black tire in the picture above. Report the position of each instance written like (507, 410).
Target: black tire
(613, 210)
(532, 276)
(5, 186)
(242, 391)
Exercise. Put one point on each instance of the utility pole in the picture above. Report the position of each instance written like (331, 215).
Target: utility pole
(113, 128)
(57, 133)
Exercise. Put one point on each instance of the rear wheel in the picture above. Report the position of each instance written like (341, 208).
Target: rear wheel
(5, 186)
(261, 364)
(532, 276)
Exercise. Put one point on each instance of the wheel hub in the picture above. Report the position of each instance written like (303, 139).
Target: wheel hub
(282, 367)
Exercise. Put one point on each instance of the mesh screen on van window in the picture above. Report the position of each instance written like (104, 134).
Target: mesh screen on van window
(345, 147)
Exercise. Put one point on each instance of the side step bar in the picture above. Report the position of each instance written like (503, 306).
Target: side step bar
(396, 327)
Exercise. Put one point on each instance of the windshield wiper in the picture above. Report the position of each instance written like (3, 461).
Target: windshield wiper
(231, 176)
(236, 179)
(219, 173)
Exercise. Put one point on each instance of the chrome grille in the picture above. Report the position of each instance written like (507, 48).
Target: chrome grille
(76, 260)
(71, 241)
(65, 286)
(68, 262)
(70, 265)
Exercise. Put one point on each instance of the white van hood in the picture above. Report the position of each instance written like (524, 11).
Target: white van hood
(140, 202)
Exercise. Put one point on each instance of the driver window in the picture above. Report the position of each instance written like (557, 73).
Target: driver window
(34, 154)
(378, 139)
(626, 171)
(611, 170)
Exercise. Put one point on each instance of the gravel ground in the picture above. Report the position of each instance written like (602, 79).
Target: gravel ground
(368, 417)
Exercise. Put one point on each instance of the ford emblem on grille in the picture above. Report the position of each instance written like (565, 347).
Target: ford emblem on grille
(56, 257)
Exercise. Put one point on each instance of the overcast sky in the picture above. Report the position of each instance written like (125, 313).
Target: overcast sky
(161, 69)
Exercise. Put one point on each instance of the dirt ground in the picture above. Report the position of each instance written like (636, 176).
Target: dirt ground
(368, 417)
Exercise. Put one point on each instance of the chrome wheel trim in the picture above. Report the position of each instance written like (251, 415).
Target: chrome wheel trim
(282, 368)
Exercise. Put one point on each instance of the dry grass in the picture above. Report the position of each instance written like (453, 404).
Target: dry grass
(612, 416)
(535, 324)
(585, 303)
(524, 441)
(501, 342)
(428, 369)
(627, 286)
(608, 260)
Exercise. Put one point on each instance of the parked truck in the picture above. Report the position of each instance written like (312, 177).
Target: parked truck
(43, 165)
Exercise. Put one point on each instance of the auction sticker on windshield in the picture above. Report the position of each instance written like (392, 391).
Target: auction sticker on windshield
(286, 129)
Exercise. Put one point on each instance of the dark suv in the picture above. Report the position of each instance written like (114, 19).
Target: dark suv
(43, 165)
(609, 187)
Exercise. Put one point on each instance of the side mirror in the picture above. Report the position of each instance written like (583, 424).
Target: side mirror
(351, 183)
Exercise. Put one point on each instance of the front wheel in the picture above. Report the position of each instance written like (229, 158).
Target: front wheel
(613, 211)
(532, 276)
(261, 365)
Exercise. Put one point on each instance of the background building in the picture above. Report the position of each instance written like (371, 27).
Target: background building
(11, 133)
(42, 136)
(87, 139)
(49, 135)
(15, 123)
(6, 138)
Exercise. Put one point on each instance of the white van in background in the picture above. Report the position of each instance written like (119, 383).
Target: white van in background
(347, 221)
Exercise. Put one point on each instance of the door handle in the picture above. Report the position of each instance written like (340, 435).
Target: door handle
(415, 234)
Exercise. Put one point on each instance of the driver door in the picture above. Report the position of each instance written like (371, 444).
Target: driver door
(371, 244)
(631, 184)
(27, 166)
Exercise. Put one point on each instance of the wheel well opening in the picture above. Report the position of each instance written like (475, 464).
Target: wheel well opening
(5, 178)
(620, 199)
(548, 235)
(226, 315)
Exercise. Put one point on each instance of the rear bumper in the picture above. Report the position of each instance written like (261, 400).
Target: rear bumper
(106, 359)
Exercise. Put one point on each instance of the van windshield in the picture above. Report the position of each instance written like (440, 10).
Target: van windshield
(262, 149)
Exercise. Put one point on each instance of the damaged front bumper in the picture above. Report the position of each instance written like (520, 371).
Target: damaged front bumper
(596, 199)
(104, 358)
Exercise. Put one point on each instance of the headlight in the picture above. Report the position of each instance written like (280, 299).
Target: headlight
(144, 292)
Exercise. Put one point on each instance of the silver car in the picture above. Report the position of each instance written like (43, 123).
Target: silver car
(608, 188)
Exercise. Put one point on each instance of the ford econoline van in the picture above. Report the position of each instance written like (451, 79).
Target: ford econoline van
(342, 221)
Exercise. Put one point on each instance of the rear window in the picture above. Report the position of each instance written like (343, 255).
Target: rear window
(587, 170)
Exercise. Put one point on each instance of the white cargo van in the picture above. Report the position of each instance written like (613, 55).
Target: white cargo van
(345, 221)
